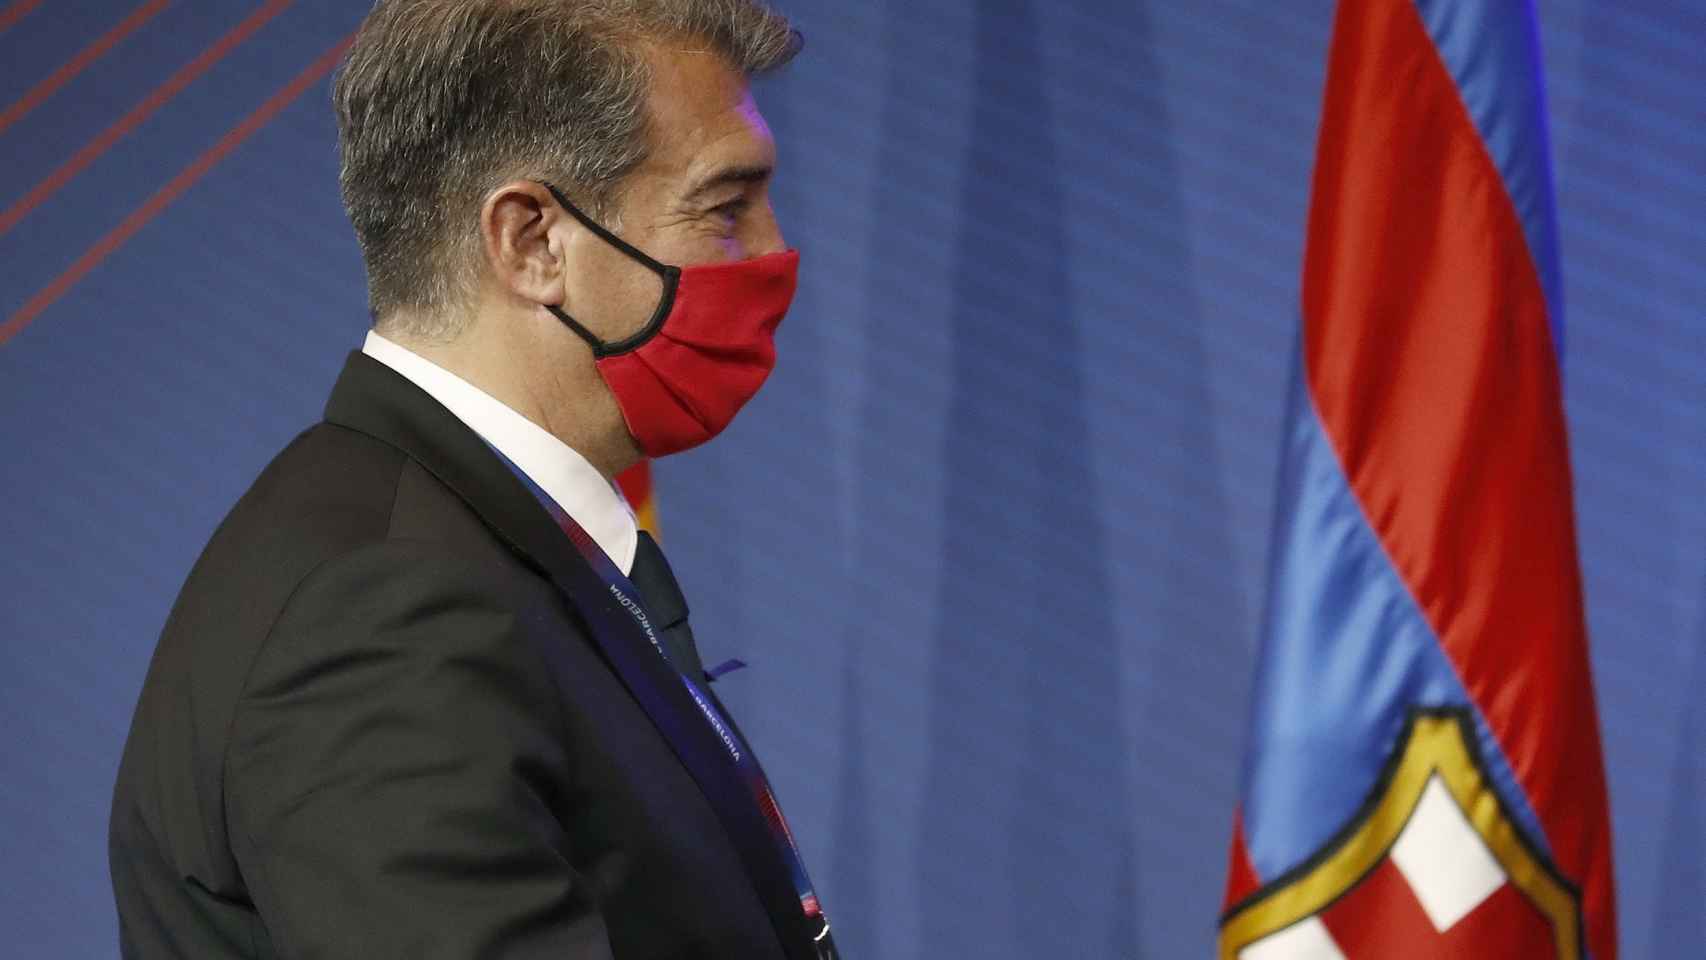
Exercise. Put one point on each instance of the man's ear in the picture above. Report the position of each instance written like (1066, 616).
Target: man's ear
(516, 224)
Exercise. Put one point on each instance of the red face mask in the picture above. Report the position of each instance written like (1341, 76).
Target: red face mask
(705, 352)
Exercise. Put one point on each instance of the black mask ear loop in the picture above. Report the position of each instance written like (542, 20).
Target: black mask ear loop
(671, 277)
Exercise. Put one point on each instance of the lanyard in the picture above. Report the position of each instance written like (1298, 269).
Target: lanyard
(748, 809)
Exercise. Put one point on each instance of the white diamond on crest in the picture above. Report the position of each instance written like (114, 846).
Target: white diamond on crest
(1447, 865)
(1305, 940)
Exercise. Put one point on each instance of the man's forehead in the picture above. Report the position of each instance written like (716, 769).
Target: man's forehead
(702, 114)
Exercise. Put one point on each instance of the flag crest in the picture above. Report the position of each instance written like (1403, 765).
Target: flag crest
(1433, 866)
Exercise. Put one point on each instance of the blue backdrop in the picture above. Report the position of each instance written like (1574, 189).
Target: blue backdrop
(993, 538)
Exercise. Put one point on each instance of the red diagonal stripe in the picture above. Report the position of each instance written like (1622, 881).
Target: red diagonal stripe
(171, 191)
(139, 113)
(1381, 917)
(88, 55)
(16, 12)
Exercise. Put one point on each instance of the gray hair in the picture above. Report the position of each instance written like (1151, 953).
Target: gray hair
(439, 102)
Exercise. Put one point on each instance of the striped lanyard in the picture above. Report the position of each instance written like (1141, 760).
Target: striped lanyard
(757, 836)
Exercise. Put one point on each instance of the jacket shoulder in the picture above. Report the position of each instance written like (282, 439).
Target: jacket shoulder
(331, 492)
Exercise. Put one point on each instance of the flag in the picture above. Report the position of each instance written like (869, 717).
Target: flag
(1424, 774)
(636, 485)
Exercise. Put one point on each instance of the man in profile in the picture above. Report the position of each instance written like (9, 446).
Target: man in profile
(428, 692)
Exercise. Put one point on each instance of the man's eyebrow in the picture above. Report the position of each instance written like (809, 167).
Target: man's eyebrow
(754, 173)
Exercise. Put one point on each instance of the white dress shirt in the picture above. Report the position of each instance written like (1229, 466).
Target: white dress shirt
(576, 485)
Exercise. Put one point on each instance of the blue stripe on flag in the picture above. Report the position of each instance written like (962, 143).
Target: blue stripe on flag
(1492, 51)
(1345, 653)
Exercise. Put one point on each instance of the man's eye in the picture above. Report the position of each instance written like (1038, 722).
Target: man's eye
(732, 208)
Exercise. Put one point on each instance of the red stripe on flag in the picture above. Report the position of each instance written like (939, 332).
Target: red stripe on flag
(139, 113)
(171, 191)
(1432, 369)
(17, 11)
(38, 94)
(1241, 877)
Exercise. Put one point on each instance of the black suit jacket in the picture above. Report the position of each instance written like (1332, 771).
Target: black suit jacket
(375, 726)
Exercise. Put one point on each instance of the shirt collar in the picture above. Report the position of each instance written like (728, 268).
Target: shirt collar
(564, 474)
